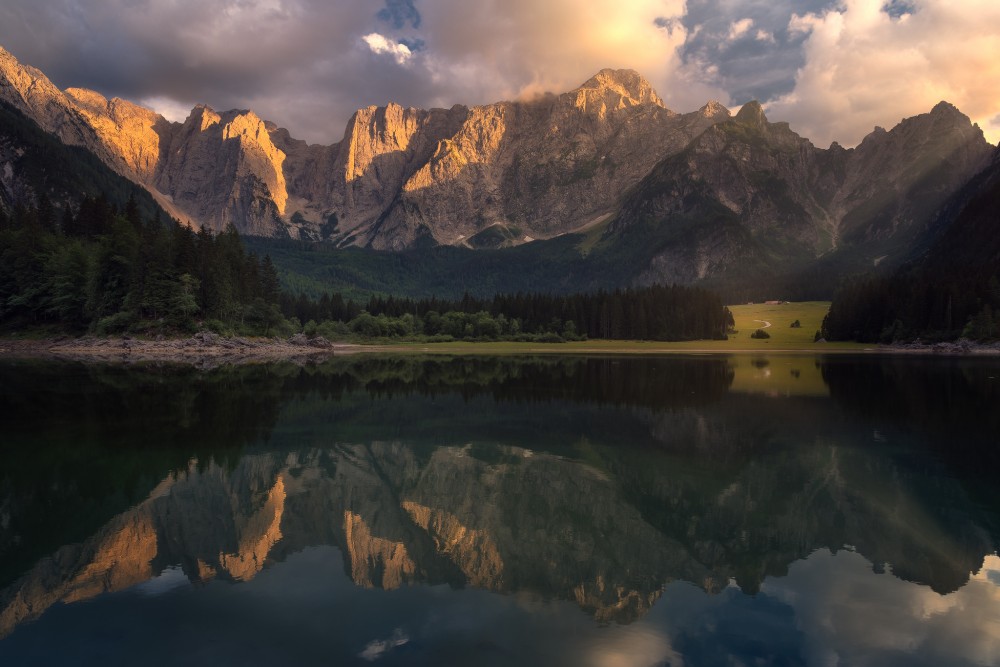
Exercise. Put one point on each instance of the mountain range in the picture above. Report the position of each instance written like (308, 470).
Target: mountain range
(604, 176)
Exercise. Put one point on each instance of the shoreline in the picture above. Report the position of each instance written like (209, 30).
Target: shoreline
(206, 349)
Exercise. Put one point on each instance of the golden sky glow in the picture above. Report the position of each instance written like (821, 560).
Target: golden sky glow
(833, 69)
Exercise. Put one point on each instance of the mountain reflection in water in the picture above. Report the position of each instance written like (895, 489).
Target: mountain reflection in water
(850, 497)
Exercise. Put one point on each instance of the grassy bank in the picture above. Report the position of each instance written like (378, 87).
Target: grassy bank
(748, 318)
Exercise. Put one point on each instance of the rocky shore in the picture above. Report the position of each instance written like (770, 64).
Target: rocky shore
(962, 346)
(202, 349)
(208, 350)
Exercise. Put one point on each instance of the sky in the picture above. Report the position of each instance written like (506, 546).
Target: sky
(833, 69)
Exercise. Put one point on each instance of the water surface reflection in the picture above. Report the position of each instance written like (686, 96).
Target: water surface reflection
(679, 510)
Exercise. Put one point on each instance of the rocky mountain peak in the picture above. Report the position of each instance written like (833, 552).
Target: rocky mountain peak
(946, 109)
(626, 83)
(714, 109)
(202, 117)
(752, 113)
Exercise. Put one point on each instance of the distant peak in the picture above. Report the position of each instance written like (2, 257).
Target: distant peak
(713, 109)
(945, 111)
(752, 113)
(199, 110)
(943, 107)
(626, 82)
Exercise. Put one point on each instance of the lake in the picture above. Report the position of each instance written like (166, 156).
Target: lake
(674, 510)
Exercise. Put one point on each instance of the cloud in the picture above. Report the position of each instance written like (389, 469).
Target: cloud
(833, 68)
(376, 648)
(866, 66)
(399, 13)
(382, 45)
(764, 36)
(744, 46)
(523, 47)
(852, 616)
(309, 64)
(739, 28)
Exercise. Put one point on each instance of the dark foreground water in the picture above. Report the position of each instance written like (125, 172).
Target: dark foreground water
(598, 511)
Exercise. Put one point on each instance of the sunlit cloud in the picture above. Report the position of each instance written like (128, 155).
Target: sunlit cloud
(833, 68)
(382, 45)
(168, 108)
(764, 36)
(739, 28)
(865, 66)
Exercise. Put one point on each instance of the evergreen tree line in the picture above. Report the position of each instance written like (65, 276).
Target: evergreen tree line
(659, 313)
(104, 270)
(952, 291)
(917, 304)
(96, 268)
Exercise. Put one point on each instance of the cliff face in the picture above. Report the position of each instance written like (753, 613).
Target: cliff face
(398, 177)
(223, 168)
(516, 170)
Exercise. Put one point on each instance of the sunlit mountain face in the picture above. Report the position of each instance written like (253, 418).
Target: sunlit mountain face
(420, 510)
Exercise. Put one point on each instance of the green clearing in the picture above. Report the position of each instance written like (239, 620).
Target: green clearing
(750, 317)
(783, 337)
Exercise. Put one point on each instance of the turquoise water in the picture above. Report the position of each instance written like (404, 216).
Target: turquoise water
(782, 510)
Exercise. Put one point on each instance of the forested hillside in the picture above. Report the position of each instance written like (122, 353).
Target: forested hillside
(108, 271)
(953, 291)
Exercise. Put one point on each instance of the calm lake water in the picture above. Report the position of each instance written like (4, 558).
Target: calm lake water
(781, 510)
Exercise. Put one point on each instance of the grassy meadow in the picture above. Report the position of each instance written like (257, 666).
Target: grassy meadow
(783, 337)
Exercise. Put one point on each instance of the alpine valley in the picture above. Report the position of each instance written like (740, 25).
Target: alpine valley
(599, 187)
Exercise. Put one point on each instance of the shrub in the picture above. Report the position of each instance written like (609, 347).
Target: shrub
(760, 333)
(334, 330)
(116, 323)
(217, 327)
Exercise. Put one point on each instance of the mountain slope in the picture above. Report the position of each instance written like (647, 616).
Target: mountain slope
(751, 199)
(34, 166)
(953, 289)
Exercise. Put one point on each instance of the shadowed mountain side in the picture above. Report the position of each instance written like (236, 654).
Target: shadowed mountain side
(750, 201)
(35, 166)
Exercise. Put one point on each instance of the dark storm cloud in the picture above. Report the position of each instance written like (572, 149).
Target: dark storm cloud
(298, 62)
(666, 23)
(414, 45)
(399, 13)
(761, 62)
(309, 64)
(897, 8)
